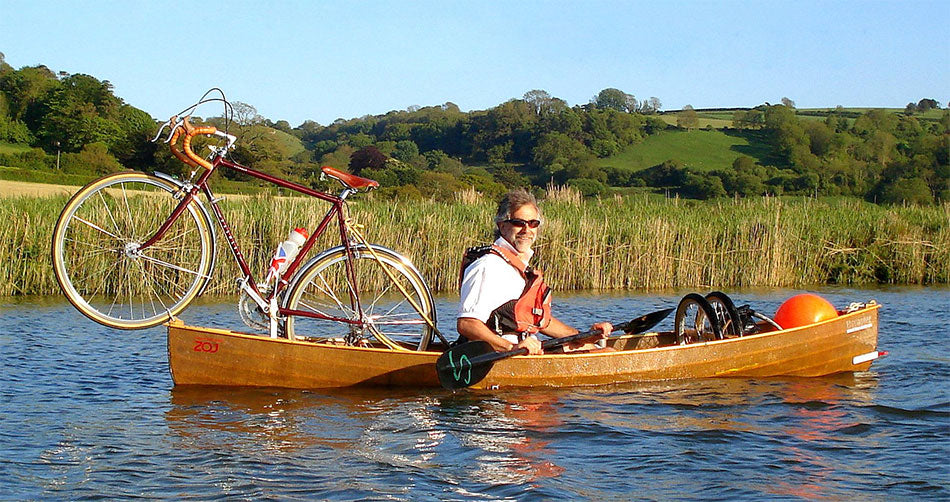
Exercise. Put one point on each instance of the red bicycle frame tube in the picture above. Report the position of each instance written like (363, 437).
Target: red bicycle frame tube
(336, 209)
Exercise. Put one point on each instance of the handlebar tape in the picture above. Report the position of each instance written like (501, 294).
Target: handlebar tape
(176, 152)
(186, 155)
(186, 144)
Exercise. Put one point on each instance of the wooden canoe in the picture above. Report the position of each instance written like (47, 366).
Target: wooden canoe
(207, 356)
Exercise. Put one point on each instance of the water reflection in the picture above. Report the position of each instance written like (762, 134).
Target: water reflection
(377, 425)
(241, 418)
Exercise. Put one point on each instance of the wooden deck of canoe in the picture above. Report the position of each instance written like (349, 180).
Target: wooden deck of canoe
(207, 356)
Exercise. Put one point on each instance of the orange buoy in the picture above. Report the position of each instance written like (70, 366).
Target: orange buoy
(804, 309)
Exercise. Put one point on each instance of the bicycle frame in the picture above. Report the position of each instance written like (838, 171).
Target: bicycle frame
(269, 303)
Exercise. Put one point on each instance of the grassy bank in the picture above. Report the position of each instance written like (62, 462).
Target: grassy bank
(615, 243)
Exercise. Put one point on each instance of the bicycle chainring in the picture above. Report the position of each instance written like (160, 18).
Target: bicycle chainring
(251, 313)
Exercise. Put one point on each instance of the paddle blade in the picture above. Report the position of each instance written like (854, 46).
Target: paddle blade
(455, 368)
(645, 322)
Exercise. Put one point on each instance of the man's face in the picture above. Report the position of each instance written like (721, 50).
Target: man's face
(521, 236)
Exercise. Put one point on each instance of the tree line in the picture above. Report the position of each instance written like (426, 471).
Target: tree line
(435, 151)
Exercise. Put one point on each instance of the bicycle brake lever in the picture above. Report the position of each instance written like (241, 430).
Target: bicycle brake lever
(159, 133)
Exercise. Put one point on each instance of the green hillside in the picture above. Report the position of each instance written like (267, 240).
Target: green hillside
(700, 149)
(287, 145)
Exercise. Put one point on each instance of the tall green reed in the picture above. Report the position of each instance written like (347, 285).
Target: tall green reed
(603, 244)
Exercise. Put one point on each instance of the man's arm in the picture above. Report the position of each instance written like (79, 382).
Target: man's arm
(558, 329)
(474, 329)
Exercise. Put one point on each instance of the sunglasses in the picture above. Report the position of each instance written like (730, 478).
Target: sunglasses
(518, 222)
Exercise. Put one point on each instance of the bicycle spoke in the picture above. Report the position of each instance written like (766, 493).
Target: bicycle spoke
(128, 209)
(152, 286)
(171, 266)
(97, 227)
(105, 206)
(347, 313)
(328, 290)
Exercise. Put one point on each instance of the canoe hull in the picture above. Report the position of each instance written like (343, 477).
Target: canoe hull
(205, 356)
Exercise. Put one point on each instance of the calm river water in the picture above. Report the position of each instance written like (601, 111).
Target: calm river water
(90, 413)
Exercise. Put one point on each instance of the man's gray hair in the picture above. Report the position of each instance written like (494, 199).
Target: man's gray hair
(512, 201)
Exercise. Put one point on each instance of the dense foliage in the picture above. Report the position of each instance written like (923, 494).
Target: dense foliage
(437, 151)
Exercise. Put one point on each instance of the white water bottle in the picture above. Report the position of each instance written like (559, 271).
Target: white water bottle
(286, 252)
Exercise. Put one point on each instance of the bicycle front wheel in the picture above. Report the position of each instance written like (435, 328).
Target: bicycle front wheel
(98, 263)
(374, 306)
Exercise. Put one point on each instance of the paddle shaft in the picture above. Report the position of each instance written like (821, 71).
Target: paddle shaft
(545, 345)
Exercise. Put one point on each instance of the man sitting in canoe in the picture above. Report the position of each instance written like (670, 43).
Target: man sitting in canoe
(503, 300)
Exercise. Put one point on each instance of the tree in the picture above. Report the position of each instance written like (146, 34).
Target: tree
(245, 115)
(507, 176)
(703, 186)
(927, 104)
(79, 111)
(540, 100)
(406, 151)
(615, 99)
(688, 118)
(820, 138)
(4, 67)
(905, 191)
(748, 119)
(366, 158)
(588, 187)
(25, 88)
(557, 148)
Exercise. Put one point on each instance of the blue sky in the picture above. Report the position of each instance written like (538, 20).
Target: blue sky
(326, 60)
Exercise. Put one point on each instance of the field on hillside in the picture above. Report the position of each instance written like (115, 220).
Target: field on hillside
(13, 148)
(723, 118)
(15, 174)
(22, 188)
(702, 150)
(714, 120)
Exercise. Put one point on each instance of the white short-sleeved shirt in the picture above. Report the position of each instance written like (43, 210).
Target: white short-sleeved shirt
(488, 283)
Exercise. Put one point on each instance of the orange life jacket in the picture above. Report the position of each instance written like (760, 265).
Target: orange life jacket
(525, 315)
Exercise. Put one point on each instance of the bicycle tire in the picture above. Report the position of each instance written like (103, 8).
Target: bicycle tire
(695, 321)
(101, 271)
(321, 286)
(726, 313)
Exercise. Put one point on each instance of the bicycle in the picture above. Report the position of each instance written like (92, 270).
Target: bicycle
(132, 250)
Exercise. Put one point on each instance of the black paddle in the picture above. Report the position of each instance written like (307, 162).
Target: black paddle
(468, 363)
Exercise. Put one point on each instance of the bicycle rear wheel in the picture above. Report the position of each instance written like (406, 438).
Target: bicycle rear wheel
(98, 263)
(322, 288)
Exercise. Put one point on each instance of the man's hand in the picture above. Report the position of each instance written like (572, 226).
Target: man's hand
(532, 344)
(605, 327)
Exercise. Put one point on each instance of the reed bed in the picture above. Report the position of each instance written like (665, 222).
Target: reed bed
(607, 244)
